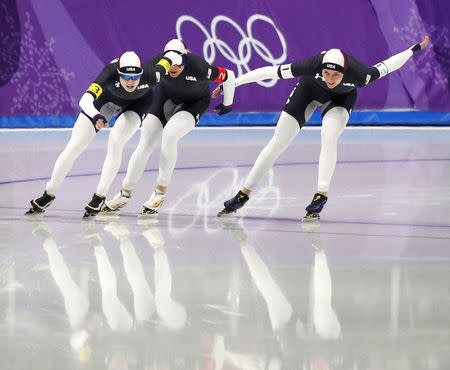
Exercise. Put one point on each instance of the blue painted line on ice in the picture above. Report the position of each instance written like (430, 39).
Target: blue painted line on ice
(243, 166)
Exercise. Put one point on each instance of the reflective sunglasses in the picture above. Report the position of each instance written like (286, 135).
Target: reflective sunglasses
(130, 77)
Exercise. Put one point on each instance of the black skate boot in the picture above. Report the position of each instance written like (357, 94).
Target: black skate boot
(94, 206)
(314, 208)
(39, 205)
(233, 204)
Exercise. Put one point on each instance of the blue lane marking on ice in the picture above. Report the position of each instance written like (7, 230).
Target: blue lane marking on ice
(243, 166)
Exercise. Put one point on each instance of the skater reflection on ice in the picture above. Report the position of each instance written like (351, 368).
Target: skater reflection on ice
(172, 314)
(116, 314)
(326, 322)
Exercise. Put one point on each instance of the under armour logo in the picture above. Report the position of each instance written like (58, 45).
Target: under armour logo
(319, 77)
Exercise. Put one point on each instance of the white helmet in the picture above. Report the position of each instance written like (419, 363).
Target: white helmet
(176, 45)
(334, 59)
(129, 63)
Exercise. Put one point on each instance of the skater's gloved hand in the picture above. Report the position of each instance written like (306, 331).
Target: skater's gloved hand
(223, 109)
(174, 57)
(216, 91)
(421, 45)
(100, 121)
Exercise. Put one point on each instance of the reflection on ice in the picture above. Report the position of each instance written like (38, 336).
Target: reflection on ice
(117, 316)
(325, 319)
(172, 313)
(144, 301)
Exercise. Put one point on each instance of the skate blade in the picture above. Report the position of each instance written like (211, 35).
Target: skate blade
(34, 212)
(88, 215)
(148, 213)
(225, 213)
(109, 213)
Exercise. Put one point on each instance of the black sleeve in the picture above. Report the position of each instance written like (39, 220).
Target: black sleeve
(203, 70)
(307, 67)
(154, 71)
(108, 73)
(362, 75)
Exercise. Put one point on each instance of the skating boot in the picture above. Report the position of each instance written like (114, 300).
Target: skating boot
(39, 205)
(155, 202)
(94, 206)
(314, 208)
(118, 201)
(233, 204)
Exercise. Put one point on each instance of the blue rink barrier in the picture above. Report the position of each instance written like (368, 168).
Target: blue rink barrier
(358, 118)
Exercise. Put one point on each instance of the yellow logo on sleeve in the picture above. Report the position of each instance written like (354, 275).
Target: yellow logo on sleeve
(96, 89)
(165, 64)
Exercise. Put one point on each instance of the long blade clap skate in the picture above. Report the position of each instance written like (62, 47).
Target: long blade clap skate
(152, 206)
(311, 217)
(315, 207)
(148, 212)
(233, 204)
(39, 205)
(112, 206)
(94, 206)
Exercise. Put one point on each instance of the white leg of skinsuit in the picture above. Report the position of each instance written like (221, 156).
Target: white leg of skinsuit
(178, 126)
(333, 124)
(124, 128)
(82, 134)
(151, 131)
(286, 130)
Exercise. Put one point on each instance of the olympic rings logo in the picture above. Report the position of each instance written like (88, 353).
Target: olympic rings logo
(248, 43)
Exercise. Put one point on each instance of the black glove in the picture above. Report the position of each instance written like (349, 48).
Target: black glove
(416, 48)
(99, 116)
(223, 109)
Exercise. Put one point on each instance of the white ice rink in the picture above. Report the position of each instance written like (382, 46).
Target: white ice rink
(367, 288)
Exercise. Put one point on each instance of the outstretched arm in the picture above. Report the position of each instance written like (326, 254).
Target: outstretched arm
(284, 71)
(229, 86)
(398, 60)
(259, 74)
